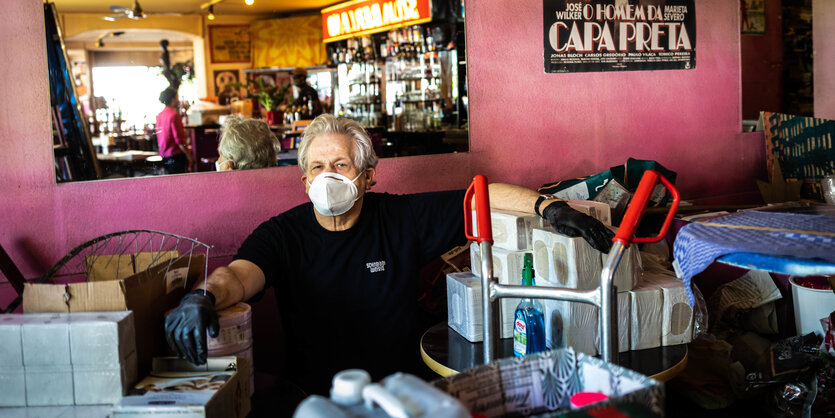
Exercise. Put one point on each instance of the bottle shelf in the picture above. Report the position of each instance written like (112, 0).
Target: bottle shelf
(362, 102)
(420, 100)
(357, 82)
(436, 77)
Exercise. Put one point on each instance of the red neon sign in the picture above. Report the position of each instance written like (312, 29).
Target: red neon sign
(364, 17)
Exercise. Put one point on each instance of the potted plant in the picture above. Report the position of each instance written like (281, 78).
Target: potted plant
(271, 98)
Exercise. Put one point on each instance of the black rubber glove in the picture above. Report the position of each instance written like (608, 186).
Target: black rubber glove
(186, 326)
(568, 221)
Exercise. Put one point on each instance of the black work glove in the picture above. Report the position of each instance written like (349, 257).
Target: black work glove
(572, 223)
(186, 325)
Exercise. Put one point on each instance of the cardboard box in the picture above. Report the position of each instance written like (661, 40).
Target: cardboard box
(646, 301)
(564, 261)
(109, 267)
(12, 387)
(624, 322)
(79, 358)
(45, 340)
(677, 315)
(629, 269)
(148, 294)
(464, 305)
(147, 259)
(543, 384)
(571, 324)
(49, 385)
(507, 269)
(583, 333)
(511, 229)
(219, 388)
(597, 210)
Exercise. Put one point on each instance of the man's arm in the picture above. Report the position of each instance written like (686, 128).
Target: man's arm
(511, 197)
(237, 282)
(565, 220)
(186, 325)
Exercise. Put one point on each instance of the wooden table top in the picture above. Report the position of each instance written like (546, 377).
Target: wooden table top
(446, 352)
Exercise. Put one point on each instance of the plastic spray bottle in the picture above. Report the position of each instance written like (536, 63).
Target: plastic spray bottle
(529, 323)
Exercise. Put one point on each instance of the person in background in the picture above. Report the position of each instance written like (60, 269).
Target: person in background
(345, 265)
(171, 135)
(308, 96)
(245, 143)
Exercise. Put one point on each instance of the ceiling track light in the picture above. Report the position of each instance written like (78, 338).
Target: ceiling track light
(249, 2)
(211, 12)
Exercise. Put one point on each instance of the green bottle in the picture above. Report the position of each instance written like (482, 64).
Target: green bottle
(529, 323)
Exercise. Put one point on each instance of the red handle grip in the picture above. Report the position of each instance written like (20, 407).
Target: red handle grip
(635, 211)
(478, 188)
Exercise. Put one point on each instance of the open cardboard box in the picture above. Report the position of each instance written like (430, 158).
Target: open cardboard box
(175, 387)
(542, 384)
(149, 294)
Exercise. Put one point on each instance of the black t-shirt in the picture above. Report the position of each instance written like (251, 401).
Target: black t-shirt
(348, 299)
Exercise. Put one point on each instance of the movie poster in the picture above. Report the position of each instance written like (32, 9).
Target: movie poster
(619, 35)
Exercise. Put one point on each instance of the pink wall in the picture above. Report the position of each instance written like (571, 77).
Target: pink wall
(527, 127)
(823, 26)
(530, 127)
(762, 65)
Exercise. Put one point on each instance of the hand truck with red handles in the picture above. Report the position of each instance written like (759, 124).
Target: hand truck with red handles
(604, 296)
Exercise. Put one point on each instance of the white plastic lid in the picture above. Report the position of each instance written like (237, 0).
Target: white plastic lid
(347, 386)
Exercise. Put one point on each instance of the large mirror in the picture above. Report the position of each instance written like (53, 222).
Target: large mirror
(406, 82)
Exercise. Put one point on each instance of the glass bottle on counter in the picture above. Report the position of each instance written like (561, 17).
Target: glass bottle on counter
(528, 323)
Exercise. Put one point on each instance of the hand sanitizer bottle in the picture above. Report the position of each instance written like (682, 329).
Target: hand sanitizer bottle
(529, 323)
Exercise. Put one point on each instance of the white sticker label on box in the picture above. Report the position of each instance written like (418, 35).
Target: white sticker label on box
(175, 278)
(579, 191)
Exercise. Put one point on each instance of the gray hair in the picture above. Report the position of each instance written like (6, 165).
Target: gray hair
(248, 142)
(364, 156)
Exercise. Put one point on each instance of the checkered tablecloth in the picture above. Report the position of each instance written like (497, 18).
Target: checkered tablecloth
(697, 245)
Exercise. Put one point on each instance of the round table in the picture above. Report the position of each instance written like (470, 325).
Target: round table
(446, 352)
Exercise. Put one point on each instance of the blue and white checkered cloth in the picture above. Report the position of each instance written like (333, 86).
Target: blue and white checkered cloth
(698, 245)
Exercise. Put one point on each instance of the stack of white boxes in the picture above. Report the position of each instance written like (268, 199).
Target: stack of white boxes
(463, 292)
(571, 262)
(511, 239)
(65, 359)
(558, 261)
(507, 269)
(677, 314)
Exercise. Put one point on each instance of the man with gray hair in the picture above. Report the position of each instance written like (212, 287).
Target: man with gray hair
(245, 143)
(345, 266)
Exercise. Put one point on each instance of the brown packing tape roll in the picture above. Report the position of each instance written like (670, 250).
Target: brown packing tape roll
(235, 330)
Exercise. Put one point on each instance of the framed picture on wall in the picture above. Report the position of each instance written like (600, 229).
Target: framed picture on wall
(229, 43)
(752, 16)
(223, 80)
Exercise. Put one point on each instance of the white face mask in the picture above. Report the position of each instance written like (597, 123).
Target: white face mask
(333, 194)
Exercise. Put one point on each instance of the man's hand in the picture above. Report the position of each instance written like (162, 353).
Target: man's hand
(186, 325)
(568, 221)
